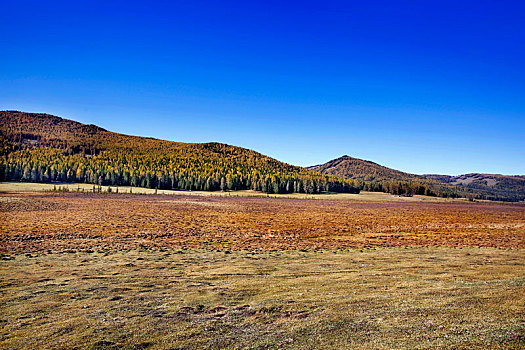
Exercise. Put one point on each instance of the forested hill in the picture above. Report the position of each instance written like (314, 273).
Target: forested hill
(46, 148)
(504, 186)
(376, 177)
(363, 170)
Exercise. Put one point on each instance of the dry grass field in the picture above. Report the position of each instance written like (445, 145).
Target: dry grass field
(22, 187)
(85, 221)
(195, 299)
(112, 271)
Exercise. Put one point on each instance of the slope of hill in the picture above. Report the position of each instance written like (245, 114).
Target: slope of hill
(376, 177)
(500, 186)
(380, 178)
(363, 170)
(42, 147)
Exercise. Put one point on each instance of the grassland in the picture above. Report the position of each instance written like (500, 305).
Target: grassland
(86, 221)
(22, 187)
(172, 271)
(172, 299)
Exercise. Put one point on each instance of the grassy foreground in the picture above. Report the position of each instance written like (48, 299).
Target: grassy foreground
(389, 298)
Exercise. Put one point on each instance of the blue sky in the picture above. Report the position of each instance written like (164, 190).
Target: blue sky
(424, 87)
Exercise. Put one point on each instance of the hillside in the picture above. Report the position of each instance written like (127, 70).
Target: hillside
(376, 177)
(504, 186)
(44, 148)
(362, 170)
(379, 178)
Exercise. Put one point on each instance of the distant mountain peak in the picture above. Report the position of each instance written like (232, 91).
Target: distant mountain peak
(490, 186)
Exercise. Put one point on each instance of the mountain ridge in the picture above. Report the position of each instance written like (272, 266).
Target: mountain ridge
(476, 185)
(333, 166)
(43, 147)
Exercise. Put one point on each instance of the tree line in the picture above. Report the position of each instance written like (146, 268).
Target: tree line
(112, 168)
(46, 148)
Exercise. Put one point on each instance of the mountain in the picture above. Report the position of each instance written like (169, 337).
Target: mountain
(43, 147)
(363, 170)
(377, 177)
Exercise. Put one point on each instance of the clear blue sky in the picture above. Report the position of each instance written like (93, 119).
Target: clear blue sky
(420, 86)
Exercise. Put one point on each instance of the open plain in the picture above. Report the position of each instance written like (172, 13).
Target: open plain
(132, 271)
(186, 175)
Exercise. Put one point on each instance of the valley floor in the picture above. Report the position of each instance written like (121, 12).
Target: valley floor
(56, 222)
(108, 271)
(24, 187)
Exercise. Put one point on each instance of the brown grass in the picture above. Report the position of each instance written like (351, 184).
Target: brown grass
(50, 221)
(178, 272)
(21, 187)
(169, 299)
